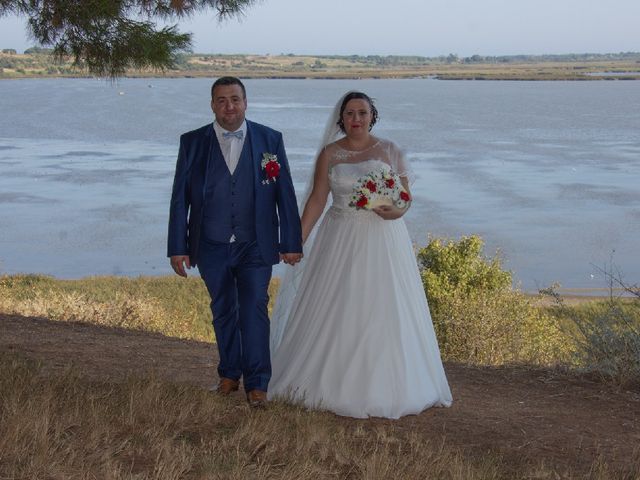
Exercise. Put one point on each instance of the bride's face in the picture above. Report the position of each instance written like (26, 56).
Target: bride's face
(356, 117)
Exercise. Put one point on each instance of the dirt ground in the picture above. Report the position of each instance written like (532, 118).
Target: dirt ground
(529, 414)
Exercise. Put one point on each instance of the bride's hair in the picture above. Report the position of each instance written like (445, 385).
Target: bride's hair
(359, 96)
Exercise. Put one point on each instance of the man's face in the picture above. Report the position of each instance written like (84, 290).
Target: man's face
(228, 105)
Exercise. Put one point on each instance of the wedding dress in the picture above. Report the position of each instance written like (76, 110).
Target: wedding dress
(358, 339)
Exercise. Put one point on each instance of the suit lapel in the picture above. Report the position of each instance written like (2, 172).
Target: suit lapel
(256, 147)
(210, 145)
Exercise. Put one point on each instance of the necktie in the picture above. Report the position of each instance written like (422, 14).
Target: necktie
(238, 134)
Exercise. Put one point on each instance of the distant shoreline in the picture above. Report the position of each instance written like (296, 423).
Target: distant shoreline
(375, 75)
(517, 68)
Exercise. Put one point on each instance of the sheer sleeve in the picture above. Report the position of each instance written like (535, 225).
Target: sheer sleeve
(399, 163)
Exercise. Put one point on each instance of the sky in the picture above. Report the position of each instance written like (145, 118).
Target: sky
(407, 27)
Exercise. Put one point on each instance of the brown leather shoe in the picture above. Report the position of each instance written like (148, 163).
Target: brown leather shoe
(227, 385)
(257, 399)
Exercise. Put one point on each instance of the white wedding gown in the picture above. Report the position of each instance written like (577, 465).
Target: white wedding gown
(359, 340)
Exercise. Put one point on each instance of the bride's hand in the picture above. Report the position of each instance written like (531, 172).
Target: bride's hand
(389, 212)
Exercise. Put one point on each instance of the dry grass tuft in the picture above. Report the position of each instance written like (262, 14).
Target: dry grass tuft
(607, 338)
(169, 305)
(62, 426)
(159, 305)
(68, 427)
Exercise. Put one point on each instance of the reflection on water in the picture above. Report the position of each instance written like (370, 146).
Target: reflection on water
(544, 171)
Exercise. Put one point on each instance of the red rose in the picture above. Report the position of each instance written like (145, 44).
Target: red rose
(371, 185)
(390, 183)
(272, 169)
(362, 202)
(405, 196)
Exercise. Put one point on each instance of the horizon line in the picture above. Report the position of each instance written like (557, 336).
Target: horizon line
(283, 54)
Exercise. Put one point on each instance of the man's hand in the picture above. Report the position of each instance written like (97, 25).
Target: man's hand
(179, 262)
(290, 258)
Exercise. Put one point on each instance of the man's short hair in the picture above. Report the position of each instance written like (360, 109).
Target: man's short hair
(228, 81)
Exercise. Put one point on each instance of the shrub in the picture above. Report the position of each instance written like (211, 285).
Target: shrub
(606, 335)
(449, 266)
(477, 316)
(497, 328)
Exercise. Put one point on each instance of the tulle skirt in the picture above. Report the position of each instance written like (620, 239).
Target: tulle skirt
(359, 340)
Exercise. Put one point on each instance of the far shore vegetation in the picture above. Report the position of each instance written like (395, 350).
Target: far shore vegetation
(39, 62)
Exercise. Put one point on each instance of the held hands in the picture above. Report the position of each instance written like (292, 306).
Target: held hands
(390, 212)
(179, 262)
(290, 258)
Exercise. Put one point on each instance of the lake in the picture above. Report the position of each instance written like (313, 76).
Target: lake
(546, 172)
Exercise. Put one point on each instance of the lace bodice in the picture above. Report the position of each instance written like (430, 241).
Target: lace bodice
(346, 167)
(343, 176)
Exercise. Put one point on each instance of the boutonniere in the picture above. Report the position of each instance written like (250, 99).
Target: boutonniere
(271, 167)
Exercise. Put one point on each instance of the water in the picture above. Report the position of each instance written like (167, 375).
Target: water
(546, 172)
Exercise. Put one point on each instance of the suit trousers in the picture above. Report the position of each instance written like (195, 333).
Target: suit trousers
(237, 279)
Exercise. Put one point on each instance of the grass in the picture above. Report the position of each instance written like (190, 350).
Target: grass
(169, 305)
(143, 428)
(146, 428)
(495, 328)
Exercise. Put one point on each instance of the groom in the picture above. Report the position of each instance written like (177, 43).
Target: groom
(234, 215)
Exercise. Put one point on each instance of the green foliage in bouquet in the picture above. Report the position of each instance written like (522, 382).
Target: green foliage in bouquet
(478, 317)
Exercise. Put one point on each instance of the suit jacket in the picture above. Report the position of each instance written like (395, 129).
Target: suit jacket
(277, 220)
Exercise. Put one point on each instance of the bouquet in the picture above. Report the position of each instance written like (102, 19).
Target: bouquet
(379, 187)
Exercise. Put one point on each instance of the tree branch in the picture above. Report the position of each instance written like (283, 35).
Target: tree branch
(106, 37)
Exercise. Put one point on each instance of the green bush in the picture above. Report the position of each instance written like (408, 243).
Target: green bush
(458, 267)
(478, 317)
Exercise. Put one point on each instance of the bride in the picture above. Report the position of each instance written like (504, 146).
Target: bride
(351, 331)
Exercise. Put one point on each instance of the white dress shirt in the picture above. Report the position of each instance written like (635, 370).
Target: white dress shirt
(231, 147)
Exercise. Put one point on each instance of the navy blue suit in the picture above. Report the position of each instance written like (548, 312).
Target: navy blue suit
(204, 213)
